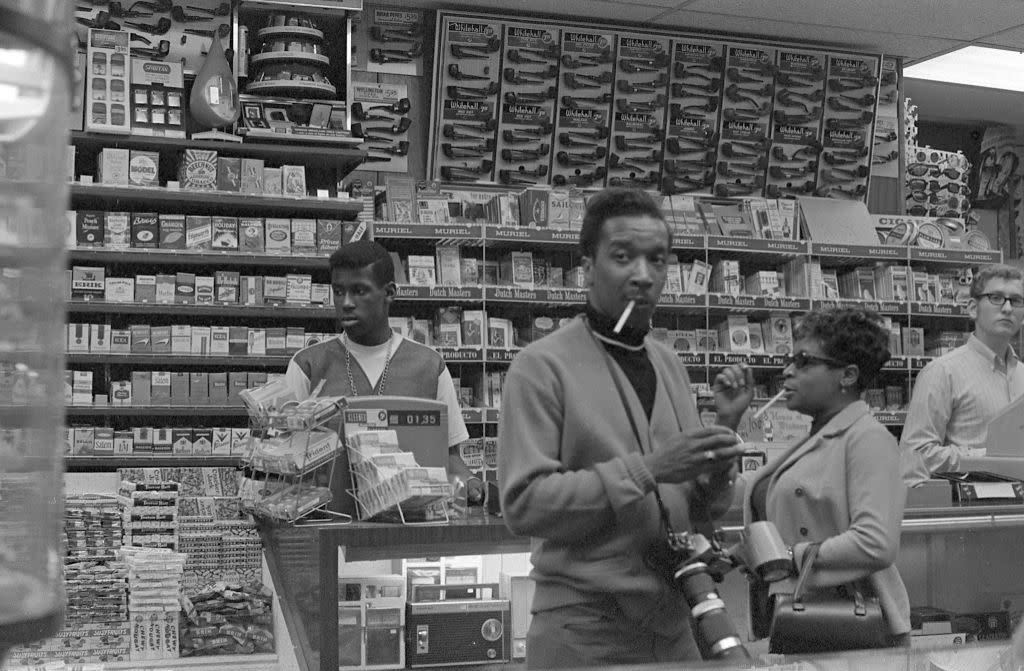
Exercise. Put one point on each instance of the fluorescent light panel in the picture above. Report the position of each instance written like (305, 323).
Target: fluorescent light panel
(974, 66)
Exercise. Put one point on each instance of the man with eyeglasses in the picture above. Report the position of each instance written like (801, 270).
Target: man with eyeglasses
(957, 395)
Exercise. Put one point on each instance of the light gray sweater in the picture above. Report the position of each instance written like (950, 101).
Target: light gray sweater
(572, 475)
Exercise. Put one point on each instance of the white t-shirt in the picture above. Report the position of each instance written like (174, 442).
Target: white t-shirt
(372, 360)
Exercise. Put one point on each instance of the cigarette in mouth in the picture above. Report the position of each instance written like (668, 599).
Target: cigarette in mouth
(770, 403)
(624, 316)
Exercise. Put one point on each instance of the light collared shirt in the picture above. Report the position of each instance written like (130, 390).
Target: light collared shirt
(955, 397)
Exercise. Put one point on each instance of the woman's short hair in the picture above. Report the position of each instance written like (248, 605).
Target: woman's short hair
(850, 335)
(996, 270)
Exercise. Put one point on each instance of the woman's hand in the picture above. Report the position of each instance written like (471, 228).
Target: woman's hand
(734, 390)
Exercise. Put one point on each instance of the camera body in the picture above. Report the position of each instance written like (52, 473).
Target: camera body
(693, 564)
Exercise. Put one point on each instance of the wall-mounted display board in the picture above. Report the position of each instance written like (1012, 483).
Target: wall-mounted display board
(541, 103)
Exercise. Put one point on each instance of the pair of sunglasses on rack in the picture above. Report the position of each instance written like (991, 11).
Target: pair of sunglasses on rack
(954, 160)
(922, 169)
(932, 198)
(919, 184)
(922, 211)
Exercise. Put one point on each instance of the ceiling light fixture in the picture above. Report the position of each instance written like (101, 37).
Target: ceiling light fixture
(974, 66)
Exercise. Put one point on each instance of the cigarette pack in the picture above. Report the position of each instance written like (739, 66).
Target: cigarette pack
(293, 180)
(219, 340)
(172, 231)
(144, 168)
(184, 288)
(422, 271)
(275, 290)
(303, 236)
(198, 232)
(161, 337)
(198, 170)
(225, 233)
(181, 338)
(298, 289)
(252, 176)
(119, 290)
(89, 227)
(145, 288)
(328, 236)
(165, 288)
(112, 166)
(448, 264)
(271, 181)
(229, 173)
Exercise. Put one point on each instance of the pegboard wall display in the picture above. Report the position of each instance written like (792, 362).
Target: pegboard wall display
(539, 103)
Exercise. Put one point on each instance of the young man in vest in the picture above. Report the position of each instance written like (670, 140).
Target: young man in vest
(369, 358)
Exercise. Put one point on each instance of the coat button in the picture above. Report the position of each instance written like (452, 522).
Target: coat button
(803, 531)
(799, 491)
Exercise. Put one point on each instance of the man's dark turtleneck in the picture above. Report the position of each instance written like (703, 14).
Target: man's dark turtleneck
(634, 363)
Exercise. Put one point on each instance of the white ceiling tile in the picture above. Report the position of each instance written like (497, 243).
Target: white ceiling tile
(955, 19)
(1011, 39)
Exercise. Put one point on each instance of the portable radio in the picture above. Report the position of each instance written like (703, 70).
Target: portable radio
(457, 632)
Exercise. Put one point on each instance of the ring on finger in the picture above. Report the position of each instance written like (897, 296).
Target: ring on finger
(709, 455)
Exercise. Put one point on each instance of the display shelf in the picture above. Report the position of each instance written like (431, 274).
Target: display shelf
(300, 57)
(938, 310)
(260, 662)
(211, 257)
(511, 236)
(836, 254)
(961, 257)
(98, 196)
(466, 234)
(171, 359)
(156, 410)
(745, 247)
(503, 294)
(749, 304)
(345, 159)
(201, 310)
(892, 308)
(98, 464)
(15, 256)
(440, 293)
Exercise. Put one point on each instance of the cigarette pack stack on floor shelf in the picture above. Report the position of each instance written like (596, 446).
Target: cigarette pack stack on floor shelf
(290, 463)
(388, 484)
(154, 593)
(96, 625)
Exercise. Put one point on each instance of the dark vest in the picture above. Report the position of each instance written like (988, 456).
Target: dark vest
(413, 370)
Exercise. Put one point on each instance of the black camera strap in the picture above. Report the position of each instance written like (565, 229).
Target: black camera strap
(610, 364)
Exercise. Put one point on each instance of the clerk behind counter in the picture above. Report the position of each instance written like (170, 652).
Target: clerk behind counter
(957, 395)
(368, 358)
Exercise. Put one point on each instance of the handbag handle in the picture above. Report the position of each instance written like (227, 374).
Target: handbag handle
(810, 554)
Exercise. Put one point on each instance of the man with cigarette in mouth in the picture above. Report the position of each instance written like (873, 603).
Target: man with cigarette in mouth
(601, 453)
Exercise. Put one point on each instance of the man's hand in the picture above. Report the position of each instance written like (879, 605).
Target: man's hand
(710, 450)
(734, 389)
(457, 467)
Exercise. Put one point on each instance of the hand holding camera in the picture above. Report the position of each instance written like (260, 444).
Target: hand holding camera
(708, 450)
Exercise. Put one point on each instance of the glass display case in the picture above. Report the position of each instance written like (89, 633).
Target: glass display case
(965, 560)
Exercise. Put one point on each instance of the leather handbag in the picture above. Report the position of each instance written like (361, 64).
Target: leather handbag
(827, 619)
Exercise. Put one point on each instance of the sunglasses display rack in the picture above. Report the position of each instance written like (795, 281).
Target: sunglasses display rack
(745, 123)
(691, 132)
(796, 123)
(465, 122)
(851, 97)
(527, 109)
(585, 91)
(936, 183)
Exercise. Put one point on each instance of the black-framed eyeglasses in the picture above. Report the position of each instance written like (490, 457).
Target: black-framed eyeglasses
(999, 300)
(802, 360)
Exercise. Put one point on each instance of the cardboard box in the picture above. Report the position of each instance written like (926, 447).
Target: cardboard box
(275, 290)
(117, 230)
(144, 168)
(252, 176)
(237, 382)
(276, 341)
(225, 233)
(293, 180)
(181, 441)
(112, 166)
(298, 289)
(219, 340)
(197, 170)
(119, 290)
(78, 338)
(328, 236)
(142, 439)
(120, 341)
(184, 288)
(251, 290)
(165, 288)
(124, 443)
(229, 173)
(271, 181)
(89, 228)
(303, 236)
(179, 388)
(204, 290)
(162, 441)
(145, 229)
(200, 340)
(221, 442)
(202, 441)
(198, 232)
(181, 338)
(99, 338)
(218, 385)
(199, 388)
(141, 387)
(913, 341)
(172, 231)
(226, 286)
(277, 239)
(257, 343)
(238, 340)
(145, 288)
(161, 337)
(250, 235)
(141, 338)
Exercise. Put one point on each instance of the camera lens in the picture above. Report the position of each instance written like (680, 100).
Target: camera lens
(713, 629)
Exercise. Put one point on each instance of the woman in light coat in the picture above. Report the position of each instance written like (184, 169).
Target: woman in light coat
(839, 487)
